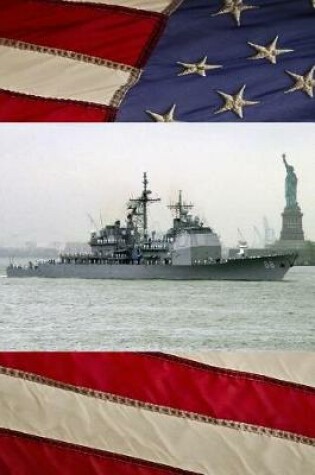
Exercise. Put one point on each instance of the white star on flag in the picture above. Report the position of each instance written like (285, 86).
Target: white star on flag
(199, 68)
(235, 8)
(304, 83)
(166, 117)
(235, 103)
(269, 52)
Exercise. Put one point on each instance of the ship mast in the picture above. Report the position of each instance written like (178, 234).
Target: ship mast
(180, 207)
(139, 205)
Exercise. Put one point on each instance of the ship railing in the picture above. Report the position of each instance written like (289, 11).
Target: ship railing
(155, 246)
(205, 262)
(33, 265)
(261, 256)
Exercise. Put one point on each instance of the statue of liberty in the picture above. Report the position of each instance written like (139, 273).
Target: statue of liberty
(290, 185)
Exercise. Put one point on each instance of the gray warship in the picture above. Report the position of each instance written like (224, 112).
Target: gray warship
(189, 250)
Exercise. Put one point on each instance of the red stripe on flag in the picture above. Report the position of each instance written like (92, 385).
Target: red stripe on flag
(24, 108)
(180, 384)
(21, 453)
(118, 34)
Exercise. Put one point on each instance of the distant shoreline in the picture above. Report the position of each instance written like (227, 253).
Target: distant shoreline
(39, 252)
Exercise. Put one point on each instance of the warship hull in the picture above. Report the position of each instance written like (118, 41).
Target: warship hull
(248, 269)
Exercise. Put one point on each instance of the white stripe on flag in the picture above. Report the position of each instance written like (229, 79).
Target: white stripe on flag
(158, 6)
(293, 366)
(54, 76)
(45, 411)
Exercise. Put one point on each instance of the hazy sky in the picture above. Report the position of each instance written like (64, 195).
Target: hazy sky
(53, 175)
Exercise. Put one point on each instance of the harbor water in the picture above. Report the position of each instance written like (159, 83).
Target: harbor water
(62, 314)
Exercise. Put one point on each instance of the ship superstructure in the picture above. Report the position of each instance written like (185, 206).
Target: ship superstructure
(131, 242)
(192, 242)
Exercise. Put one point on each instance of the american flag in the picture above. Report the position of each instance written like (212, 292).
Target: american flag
(157, 60)
(157, 414)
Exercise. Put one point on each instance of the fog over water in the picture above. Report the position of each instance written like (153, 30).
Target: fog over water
(53, 176)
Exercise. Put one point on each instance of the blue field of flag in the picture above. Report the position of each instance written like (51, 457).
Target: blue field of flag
(230, 60)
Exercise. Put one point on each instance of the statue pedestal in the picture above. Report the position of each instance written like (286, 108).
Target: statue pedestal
(292, 229)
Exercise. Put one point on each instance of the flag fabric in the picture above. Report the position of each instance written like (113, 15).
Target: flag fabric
(74, 60)
(157, 60)
(157, 414)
